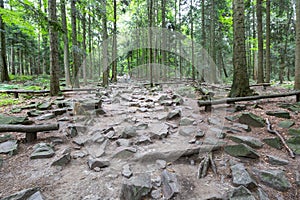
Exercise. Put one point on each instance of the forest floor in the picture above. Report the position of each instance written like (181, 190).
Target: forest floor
(134, 132)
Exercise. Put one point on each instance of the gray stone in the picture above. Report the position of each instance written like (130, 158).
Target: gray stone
(143, 139)
(91, 104)
(250, 141)
(241, 193)
(156, 194)
(242, 126)
(64, 159)
(97, 150)
(187, 131)
(9, 147)
(251, 120)
(136, 187)
(273, 142)
(177, 99)
(1, 162)
(141, 126)
(16, 110)
(279, 113)
(185, 121)
(34, 113)
(44, 106)
(26, 194)
(232, 118)
(42, 150)
(241, 150)
(275, 179)
(218, 132)
(79, 154)
(294, 144)
(286, 124)
(6, 137)
(170, 185)
(126, 171)
(129, 132)
(297, 178)
(214, 121)
(58, 112)
(5, 119)
(124, 142)
(93, 163)
(240, 176)
(124, 152)
(200, 134)
(273, 160)
(46, 116)
(162, 164)
(159, 130)
(214, 141)
(174, 114)
(262, 195)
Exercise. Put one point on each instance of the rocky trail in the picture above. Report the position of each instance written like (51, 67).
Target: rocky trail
(132, 142)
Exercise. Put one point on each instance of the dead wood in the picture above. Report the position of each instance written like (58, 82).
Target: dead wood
(29, 128)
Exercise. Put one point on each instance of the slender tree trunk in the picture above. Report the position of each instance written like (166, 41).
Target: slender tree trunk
(4, 68)
(84, 70)
(180, 43)
(12, 59)
(254, 66)
(268, 49)
(90, 48)
(104, 45)
(240, 86)
(53, 35)
(150, 53)
(297, 51)
(192, 38)
(114, 53)
(260, 72)
(163, 25)
(75, 48)
(66, 43)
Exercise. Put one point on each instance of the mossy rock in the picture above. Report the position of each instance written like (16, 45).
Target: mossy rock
(6, 119)
(280, 114)
(294, 132)
(241, 150)
(251, 119)
(294, 144)
(286, 124)
(273, 142)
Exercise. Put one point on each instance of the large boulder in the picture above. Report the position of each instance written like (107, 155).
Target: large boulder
(241, 150)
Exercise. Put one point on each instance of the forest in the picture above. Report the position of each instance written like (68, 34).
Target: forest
(144, 99)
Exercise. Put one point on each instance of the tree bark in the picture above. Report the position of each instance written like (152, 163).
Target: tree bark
(4, 68)
(297, 51)
(268, 35)
(240, 86)
(84, 69)
(53, 35)
(75, 48)
(114, 64)
(105, 66)
(192, 38)
(150, 53)
(260, 66)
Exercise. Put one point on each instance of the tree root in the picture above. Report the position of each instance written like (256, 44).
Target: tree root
(206, 162)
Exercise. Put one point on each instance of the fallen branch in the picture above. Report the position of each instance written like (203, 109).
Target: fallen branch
(270, 130)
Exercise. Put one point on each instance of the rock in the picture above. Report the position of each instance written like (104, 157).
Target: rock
(273, 160)
(174, 114)
(129, 132)
(1, 162)
(93, 163)
(124, 152)
(158, 130)
(242, 126)
(46, 116)
(262, 195)
(232, 118)
(16, 110)
(214, 141)
(294, 144)
(250, 141)
(170, 185)
(162, 164)
(275, 179)
(124, 142)
(143, 139)
(27, 194)
(126, 171)
(185, 121)
(34, 113)
(91, 104)
(73, 130)
(241, 150)
(279, 113)
(42, 150)
(286, 124)
(141, 126)
(297, 178)
(199, 134)
(58, 112)
(187, 131)
(44, 106)
(136, 187)
(251, 119)
(218, 132)
(177, 99)
(241, 107)
(64, 159)
(97, 150)
(156, 194)
(241, 193)
(79, 154)
(240, 176)
(5, 119)
(273, 142)
(215, 121)
(6, 137)
(9, 147)
(294, 132)
(99, 112)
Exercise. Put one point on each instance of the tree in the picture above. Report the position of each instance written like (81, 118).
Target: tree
(268, 35)
(114, 63)
(53, 36)
(75, 48)
(240, 86)
(297, 51)
(4, 69)
(104, 45)
(260, 66)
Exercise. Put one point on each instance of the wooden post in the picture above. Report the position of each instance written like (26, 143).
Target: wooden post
(298, 97)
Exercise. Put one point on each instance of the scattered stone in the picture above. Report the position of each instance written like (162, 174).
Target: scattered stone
(156, 181)
(275, 179)
(124, 152)
(241, 107)
(162, 164)
(273, 160)
(6, 137)
(240, 176)
(75, 129)
(16, 110)
(294, 144)
(28, 194)
(242, 126)
(286, 124)
(232, 118)
(214, 141)
(174, 114)
(9, 147)
(126, 171)
(143, 139)
(215, 121)
(124, 142)
(170, 185)
(78, 154)
(218, 132)
(241, 150)
(93, 163)
(156, 194)
(58, 112)
(158, 130)
(46, 116)
(129, 132)
(91, 104)
(294, 132)
(64, 159)
(250, 141)
(141, 126)
(280, 114)
(273, 142)
(185, 121)
(42, 150)
(232, 130)
(5, 119)
(136, 187)
(97, 150)
(187, 131)
(177, 99)
(251, 120)
(298, 178)
(64, 119)
(262, 195)
(44, 106)
(199, 134)
(241, 193)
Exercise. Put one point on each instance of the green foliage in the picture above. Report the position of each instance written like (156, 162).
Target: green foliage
(20, 78)
(6, 99)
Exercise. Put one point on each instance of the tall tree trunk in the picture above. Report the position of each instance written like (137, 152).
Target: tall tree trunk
(240, 86)
(75, 48)
(66, 43)
(203, 41)
(104, 45)
(84, 70)
(4, 68)
(192, 38)
(163, 25)
(268, 49)
(260, 64)
(150, 53)
(90, 48)
(254, 66)
(53, 35)
(12, 59)
(114, 53)
(180, 43)
(297, 51)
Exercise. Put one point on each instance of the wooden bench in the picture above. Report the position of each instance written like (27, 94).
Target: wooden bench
(30, 130)
(208, 104)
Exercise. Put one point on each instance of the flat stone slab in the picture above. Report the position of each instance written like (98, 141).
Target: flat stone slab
(279, 113)
(28, 194)
(240, 176)
(251, 119)
(286, 124)
(170, 185)
(250, 141)
(294, 144)
(187, 131)
(241, 150)
(9, 147)
(273, 142)
(42, 150)
(241, 193)
(6, 119)
(93, 163)
(274, 160)
(275, 179)
(174, 114)
(185, 121)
